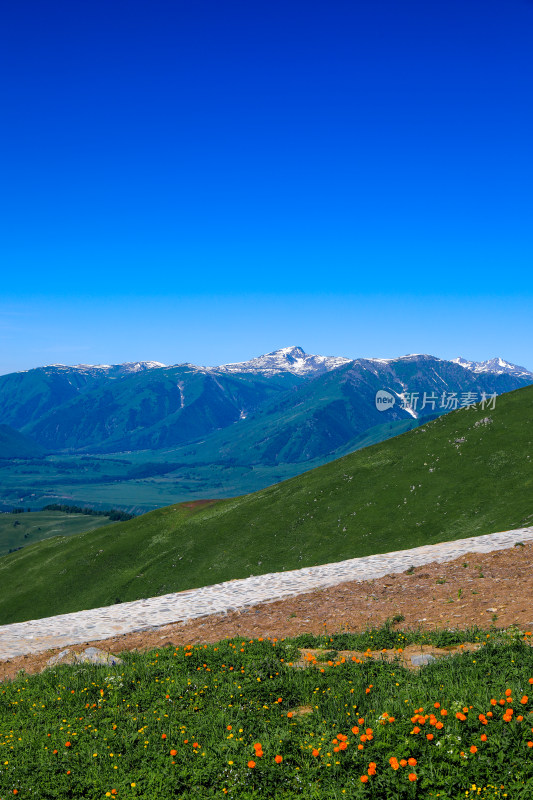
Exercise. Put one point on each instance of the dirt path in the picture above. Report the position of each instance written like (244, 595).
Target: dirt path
(483, 589)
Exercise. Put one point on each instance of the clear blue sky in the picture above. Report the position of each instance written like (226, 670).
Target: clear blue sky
(206, 181)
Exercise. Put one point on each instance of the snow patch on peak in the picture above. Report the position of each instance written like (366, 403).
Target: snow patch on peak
(495, 366)
(292, 359)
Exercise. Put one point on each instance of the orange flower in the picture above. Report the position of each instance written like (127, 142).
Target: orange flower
(403, 762)
(360, 747)
(416, 729)
(473, 749)
(251, 764)
(289, 714)
(531, 680)
(67, 744)
(524, 699)
(429, 736)
(411, 762)
(278, 759)
(483, 737)
(372, 767)
(436, 705)
(173, 752)
(493, 702)
(530, 744)
(315, 752)
(443, 712)
(55, 751)
(412, 776)
(364, 778)
(163, 736)
(355, 730)
(394, 763)
(439, 725)
(508, 693)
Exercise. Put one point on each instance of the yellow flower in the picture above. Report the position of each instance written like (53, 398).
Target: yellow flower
(133, 785)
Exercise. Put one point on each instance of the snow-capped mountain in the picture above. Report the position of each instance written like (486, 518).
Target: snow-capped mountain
(124, 369)
(287, 359)
(496, 366)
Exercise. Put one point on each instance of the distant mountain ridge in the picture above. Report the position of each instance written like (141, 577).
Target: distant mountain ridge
(496, 366)
(290, 406)
(288, 359)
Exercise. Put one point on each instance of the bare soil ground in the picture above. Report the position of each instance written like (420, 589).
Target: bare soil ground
(475, 589)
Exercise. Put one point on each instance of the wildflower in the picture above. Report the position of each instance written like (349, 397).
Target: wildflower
(251, 764)
(67, 744)
(394, 763)
(530, 744)
(173, 752)
(372, 767)
(473, 749)
(413, 776)
(403, 762)
(315, 752)
(429, 736)
(411, 762)
(364, 778)
(278, 759)
(524, 699)
(289, 714)
(483, 737)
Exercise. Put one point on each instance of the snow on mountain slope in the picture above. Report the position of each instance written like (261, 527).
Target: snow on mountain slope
(287, 359)
(496, 366)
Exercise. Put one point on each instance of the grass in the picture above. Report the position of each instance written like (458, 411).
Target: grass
(236, 719)
(20, 530)
(420, 488)
(141, 481)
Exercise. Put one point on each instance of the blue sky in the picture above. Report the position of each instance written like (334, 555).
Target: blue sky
(209, 181)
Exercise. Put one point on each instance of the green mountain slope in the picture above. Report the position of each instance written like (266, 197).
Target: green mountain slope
(464, 474)
(154, 409)
(20, 530)
(14, 444)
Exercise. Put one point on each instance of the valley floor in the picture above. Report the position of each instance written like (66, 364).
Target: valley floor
(474, 589)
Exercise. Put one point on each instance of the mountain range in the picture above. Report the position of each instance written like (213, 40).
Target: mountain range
(223, 430)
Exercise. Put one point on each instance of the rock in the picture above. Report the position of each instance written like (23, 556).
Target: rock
(491, 610)
(91, 655)
(422, 660)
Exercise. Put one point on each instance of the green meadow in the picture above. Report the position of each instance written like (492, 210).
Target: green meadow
(20, 530)
(237, 719)
(464, 474)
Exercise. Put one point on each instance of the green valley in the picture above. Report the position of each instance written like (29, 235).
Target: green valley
(464, 474)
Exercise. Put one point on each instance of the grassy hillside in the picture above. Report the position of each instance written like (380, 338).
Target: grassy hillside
(464, 474)
(20, 530)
